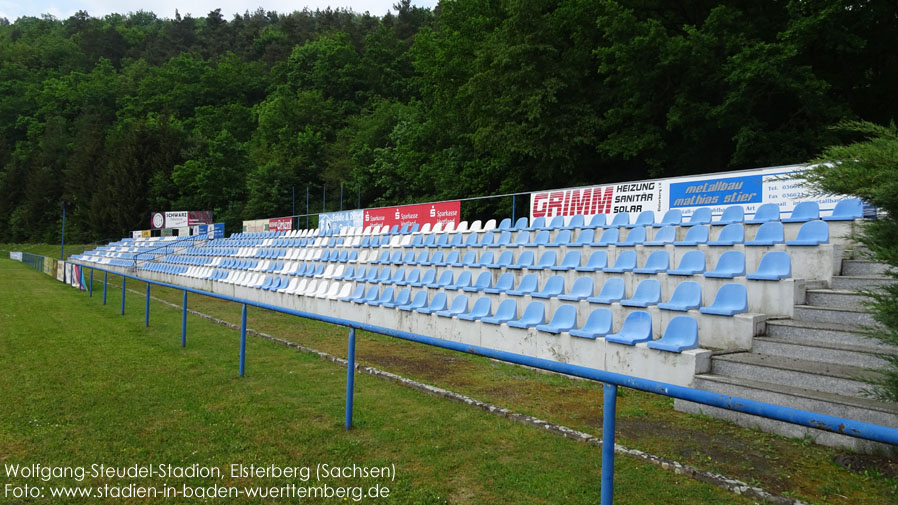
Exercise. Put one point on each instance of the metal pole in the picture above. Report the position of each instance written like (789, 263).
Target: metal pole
(90, 290)
(62, 239)
(146, 311)
(307, 207)
(243, 341)
(341, 196)
(350, 377)
(512, 210)
(105, 284)
(184, 322)
(323, 197)
(359, 202)
(123, 296)
(294, 199)
(608, 417)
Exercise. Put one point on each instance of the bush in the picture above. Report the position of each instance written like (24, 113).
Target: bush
(868, 168)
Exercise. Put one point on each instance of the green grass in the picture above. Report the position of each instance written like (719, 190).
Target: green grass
(81, 384)
(51, 250)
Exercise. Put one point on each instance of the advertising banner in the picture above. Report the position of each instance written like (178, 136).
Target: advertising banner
(339, 220)
(747, 188)
(15, 255)
(49, 266)
(179, 219)
(136, 234)
(76, 277)
(216, 230)
(60, 271)
(200, 229)
(280, 224)
(255, 225)
(195, 217)
(146, 233)
(432, 213)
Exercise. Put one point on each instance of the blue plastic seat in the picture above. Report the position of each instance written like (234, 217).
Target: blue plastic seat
(471, 240)
(413, 276)
(680, 335)
(486, 240)
(485, 260)
(731, 299)
(417, 241)
(529, 283)
(695, 235)
(597, 221)
(534, 314)
(383, 258)
(699, 216)
(666, 235)
(408, 258)
(557, 223)
(538, 223)
(541, 238)
(584, 238)
(525, 260)
(419, 301)
(483, 281)
(397, 277)
(686, 296)
(673, 217)
(436, 259)
(547, 260)
(570, 261)
(645, 218)
(774, 266)
(385, 297)
(521, 239)
(730, 234)
(429, 240)
(577, 221)
(554, 287)
(598, 324)
(445, 279)
(451, 259)
(521, 223)
(507, 311)
(428, 277)
(503, 240)
(442, 240)
(384, 276)
(597, 261)
(480, 309)
(370, 296)
(437, 304)
(609, 237)
(811, 233)
(648, 292)
(563, 238)
(768, 234)
(505, 224)
(634, 237)
(730, 264)
(403, 230)
(580, 290)
(620, 219)
(463, 281)
(564, 319)
(847, 210)
(457, 240)
(803, 211)
(657, 262)
(625, 262)
(402, 298)
(637, 328)
(732, 214)
(693, 262)
(459, 306)
(503, 284)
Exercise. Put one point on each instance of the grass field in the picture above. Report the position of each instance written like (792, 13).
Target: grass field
(511, 463)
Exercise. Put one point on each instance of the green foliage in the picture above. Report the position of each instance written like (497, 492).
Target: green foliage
(474, 97)
(868, 168)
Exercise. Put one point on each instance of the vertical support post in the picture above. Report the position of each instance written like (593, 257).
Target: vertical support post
(184, 322)
(307, 207)
(105, 285)
(323, 199)
(243, 341)
(350, 377)
(294, 199)
(62, 239)
(512, 209)
(358, 204)
(341, 197)
(146, 317)
(608, 420)
(123, 295)
(90, 289)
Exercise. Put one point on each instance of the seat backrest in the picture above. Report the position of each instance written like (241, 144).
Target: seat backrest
(525, 259)
(534, 313)
(806, 211)
(693, 260)
(658, 260)
(666, 234)
(437, 258)
(507, 310)
(733, 214)
(816, 231)
(585, 236)
(482, 306)
(732, 262)
(687, 293)
(672, 217)
(565, 317)
(732, 295)
(414, 275)
(626, 259)
(420, 299)
(504, 238)
(563, 237)
(599, 321)
(505, 259)
(469, 258)
(621, 219)
(486, 258)
(609, 236)
(637, 325)
(464, 279)
(548, 259)
(538, 223)
(583, 286)
(521, 223)
(529, 283)
(598, 259)
(771, 231)
(648, 290)
(483, 280)
(777, 263)
(557, 222)
(445, 278)
(697, 233)
(523, 237)
(734, 232)
(571, 259)
(598, 221)
(576, 221)
(387, 295)
(438, 302)
(554, 284)
(645, 218)
(701, 215)
(767, 212)
(852, 208)
(459, 304)
(542, 237)
(429, 275)
(505, 281)
(636, 235)
(452, 258)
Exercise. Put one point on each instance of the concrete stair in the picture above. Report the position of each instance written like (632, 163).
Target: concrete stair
(818, 361)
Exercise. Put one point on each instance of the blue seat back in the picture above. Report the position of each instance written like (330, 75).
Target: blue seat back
(700, 216)
(521, 223)
(459, 304)
(658, 260)
(563, 237)
(548, 259)
(814, 231)
(645, 218)
(609, 236)
(523, 237)
(398, 275)
(598, 259)
(438, 302)
(565, 317)
(487, 238)
(636, 235)
(504, 238)
(507, 310)
(482, 307)
(420, 299)
(697, 233)
(485, 259)
(445, 278)
(599, 321)
(765, 213)
(554, 285)
(732, 296)
(505, 224)
(637, 326)
(556, 223)
(542, 237)
(732, 233)
(571, 260)
(731, 262)
(483, 280)
(505, 259)
(626, 260)
(525, 259)
(693, 260)
(648, 291)
(583, 287)
(372, 294)
(535, 313)
(403, 296)
(529, 283)
(471, 241)
(666, 234)
(681, 333)
(429, 276)
(538, 223)
(437, 258)
(452, 258)
(776, 263)
(732, 214)
(846, 210)
(597, 221)
(673, 217)
(585, 237)
(386, 296)
(464, 279)
(620, 219)
(805, 211)
(771, 231)
(576, 222)
(505, 282)
(687, 293)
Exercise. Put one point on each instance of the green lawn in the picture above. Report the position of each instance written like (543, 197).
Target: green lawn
(81, 385)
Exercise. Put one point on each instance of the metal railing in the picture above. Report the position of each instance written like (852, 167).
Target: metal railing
(611, 380)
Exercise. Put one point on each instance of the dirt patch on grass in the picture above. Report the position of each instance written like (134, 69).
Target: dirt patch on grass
(861, 463)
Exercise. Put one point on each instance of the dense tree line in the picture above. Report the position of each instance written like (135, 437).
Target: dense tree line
(124, 114)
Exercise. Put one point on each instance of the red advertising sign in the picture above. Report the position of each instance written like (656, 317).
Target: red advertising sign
(433, 213)
(627, 197)
(280, 224)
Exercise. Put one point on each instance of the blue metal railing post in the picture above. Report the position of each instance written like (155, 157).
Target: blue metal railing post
(184, 322)
(90, 289)
(350, 377)
(62, 238)
(608, 420)
(512, 208)
(243, 341)
(146, 317)
(123, 296)
(105, 285)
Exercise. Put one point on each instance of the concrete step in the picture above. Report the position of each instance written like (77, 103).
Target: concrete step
(858, 282)
(863, 268)
(821, 332)
(836, 298)
(830, 377)
(840, 315)
(810, 350)
(860, 409)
